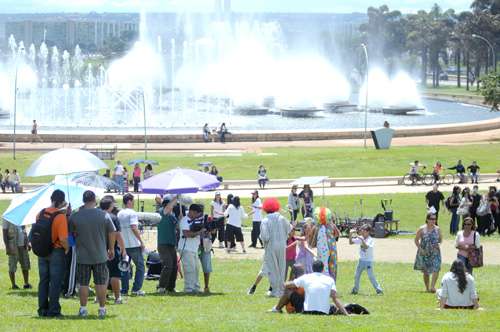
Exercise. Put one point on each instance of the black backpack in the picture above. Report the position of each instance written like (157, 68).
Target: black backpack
(41, 234)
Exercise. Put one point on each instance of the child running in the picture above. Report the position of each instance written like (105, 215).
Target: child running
(366, 244)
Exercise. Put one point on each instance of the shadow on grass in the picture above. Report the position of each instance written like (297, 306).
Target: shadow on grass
(182, 294)
(21, 293)
(74, 317)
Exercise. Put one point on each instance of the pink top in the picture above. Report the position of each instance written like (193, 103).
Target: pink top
(469, 240)
(137, 172)
(290, 251)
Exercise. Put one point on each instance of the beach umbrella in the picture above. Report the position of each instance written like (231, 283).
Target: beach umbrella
(24, 208)
(92, 179)
(179, 181)
(142, 161)
(65, 161)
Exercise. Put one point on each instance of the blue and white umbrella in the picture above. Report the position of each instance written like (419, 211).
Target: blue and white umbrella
(92, 179)
(24, 208)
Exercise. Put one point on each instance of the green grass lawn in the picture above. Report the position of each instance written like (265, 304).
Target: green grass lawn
(285, 163)
(403, 307)
(453, 90)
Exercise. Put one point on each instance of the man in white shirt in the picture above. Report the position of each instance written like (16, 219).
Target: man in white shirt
(188, 247)
(129, 224)
(118, 175)
(366, 244)
(318, 288)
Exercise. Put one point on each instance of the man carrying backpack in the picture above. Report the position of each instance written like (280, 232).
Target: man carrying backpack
(49, 240)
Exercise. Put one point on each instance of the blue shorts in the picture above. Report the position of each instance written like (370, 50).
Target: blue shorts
(206, 261)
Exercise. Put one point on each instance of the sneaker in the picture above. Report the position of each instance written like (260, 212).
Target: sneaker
(138, 293)
(83, 312)
(354, 292)
(251, 290)
(119, 301)
(27, 286)
(161, 290)
(275, 311)
(15, 287)
(269, 293)
(101, 313)
(244, 251)
(380, 292)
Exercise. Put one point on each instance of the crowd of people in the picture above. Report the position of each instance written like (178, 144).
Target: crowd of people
(300, 247)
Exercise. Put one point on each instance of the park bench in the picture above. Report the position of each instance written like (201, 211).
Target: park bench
(104, 152)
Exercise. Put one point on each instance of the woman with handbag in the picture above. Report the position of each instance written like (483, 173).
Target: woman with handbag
(428, 259)
(467, 243)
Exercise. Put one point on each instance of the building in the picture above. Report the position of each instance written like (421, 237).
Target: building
(89, 31)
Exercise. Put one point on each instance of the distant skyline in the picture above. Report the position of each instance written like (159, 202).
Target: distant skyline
(117, 6)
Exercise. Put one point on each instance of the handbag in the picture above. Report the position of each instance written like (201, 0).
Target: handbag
(476, 255)
(483, 208)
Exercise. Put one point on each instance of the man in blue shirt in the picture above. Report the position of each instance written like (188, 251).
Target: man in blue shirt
(167, 240)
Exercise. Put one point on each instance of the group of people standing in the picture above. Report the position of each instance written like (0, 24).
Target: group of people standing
(121, 177)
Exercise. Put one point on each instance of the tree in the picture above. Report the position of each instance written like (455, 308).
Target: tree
(490, 89)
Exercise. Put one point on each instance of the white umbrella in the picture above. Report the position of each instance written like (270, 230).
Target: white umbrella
(65, 161)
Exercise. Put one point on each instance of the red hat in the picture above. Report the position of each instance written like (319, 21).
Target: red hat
(271, 205)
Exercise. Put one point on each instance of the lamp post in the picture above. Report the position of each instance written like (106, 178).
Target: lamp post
(490, 46)
(366, 93)
(145, 134)
(15, 114)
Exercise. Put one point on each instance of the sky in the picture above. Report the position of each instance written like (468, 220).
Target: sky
(330, 6)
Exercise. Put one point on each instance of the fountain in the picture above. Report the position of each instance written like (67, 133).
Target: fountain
(239, 71)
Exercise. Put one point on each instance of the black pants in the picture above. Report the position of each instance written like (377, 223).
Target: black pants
(483, 224)
(168, 257)
(293, 215)
(256, 233)
(136, 183)
(219, 224)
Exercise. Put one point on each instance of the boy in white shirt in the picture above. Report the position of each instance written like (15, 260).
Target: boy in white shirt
(366, 244)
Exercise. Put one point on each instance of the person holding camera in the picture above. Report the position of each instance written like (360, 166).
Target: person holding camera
(191, 227)
(167, 239)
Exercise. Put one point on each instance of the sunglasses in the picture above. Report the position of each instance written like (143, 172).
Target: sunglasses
(468, 224)
(432, 219)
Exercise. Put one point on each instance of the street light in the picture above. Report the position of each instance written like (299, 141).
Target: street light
(21, 50)
(491, 47)
(366, 92)
(145, 134)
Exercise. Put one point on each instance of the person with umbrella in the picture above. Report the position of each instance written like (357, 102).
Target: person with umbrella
(274, 233)
(51, 268)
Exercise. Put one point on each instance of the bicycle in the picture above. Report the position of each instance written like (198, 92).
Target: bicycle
(446, 179)
(417, 179)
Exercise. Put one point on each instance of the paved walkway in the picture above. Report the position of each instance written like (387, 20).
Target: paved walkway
(489, 136)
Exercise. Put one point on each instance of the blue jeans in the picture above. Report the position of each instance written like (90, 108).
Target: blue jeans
(466, 262)
(119, 180)
(455, 219)
(368, 266)
(136, 256)
(51, 271)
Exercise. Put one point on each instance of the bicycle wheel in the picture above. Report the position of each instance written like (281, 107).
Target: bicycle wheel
(449, 179)
(407, 180)
(428, 179)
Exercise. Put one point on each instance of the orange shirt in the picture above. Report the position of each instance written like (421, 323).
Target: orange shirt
(59, 227)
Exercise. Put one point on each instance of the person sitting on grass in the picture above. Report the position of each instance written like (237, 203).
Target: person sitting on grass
(458, 289)
(366, 244)
(292, 299)
(318, 289)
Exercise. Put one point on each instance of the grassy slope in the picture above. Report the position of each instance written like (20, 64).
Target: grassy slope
(403, 307)
(296, 162)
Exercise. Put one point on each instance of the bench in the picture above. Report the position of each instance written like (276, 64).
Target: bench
(102, 152)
